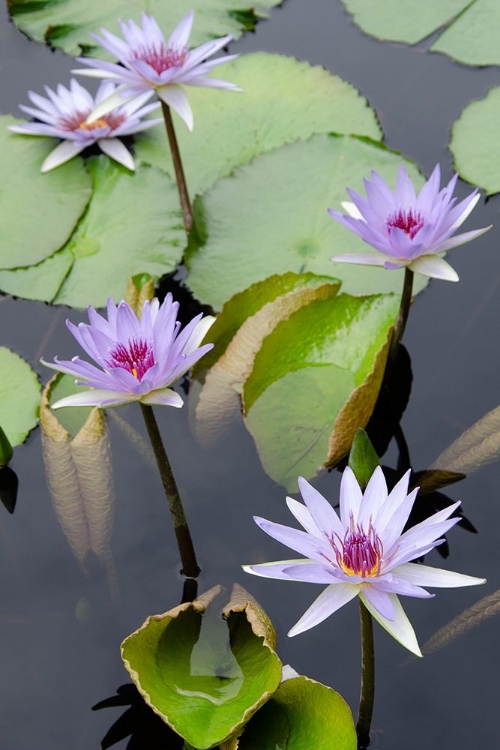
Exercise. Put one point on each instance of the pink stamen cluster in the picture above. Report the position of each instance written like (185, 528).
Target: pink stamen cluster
(359, 554)
(408, 221)
(136, 358)
(162, 58)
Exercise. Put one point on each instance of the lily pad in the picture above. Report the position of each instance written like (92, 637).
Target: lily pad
(19, 396)
(315, 381)
(237, 334)
(132, 225)
(468, 31)
(301, 714)
(39, 211)
(283, 100)
(203, 675)
(271, 217)
(475, 144)
(66, 23)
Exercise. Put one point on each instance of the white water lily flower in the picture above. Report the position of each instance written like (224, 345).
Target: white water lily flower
(64, 114)
(364, 552)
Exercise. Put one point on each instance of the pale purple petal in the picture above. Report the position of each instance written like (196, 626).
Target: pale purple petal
(374, 497)
(350, 496)
(299, 541)
(399, 626)
(179, 38)
(333, 598)
(462, 239)
(307, 571)
(164, 397)
(380, 600)
(423, 575)
(435, 267)
(324, 516)
(94, 397)
(303, 516)
(392, 584)
(176, 98)
(61, 154)
(116, 150)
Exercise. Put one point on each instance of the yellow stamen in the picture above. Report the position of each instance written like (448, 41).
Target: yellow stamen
(134, 372)
(93, 125)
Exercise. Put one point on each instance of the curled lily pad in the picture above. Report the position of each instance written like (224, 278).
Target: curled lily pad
(467, 31)
(257, 222)
(19, 397)
(39, 211)
(315, 380)
(205, 667)
(66, 23)
(301, 714)
(234, 129)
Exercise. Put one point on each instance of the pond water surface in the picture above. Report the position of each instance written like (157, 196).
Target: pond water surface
(60, 632)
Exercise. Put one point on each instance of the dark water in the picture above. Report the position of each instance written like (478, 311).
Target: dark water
(56, 665)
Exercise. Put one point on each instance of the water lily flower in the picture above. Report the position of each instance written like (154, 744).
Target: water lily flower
(408, 230)
(64, 114)
(364, 552)
(137, 359)
(148, 62)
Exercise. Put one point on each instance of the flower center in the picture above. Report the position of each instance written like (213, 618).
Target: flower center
(359, 554)
(136, 357)
(78, 121)
(162, 58)
(409, 221)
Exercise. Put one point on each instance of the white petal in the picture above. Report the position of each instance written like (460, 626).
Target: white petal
(303, 516)
(95, 397)
(423, 575)
(163, 397)
(462, 239)
(322, 513)
(116, 150)
(107, 105)
(399, 627)
(180, 35)
(435, 267)
(93, 72)
(468, 210)
(333, 598)
(352, 210)
(362, 259)
(374, 498)
(198, 334)
(176, 98)
(61, 154)
(350, 496)
(381, 600)
(277, 571)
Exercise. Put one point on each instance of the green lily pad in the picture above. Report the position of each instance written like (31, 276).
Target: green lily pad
(302, 714)
(469, 31)
(39, 211)
(133, 224)
(66, 23)
(270, 217)
(237, 334)
(19, 397)
(203, 675)
(475, 144)
(283, 100)
(315, 381)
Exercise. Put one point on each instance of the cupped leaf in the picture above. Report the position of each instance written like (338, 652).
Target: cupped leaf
(77, 456)
(238, 333)
(66, 23)
(283, 100)
(475, 144)
(132, 225)
(468, 30)
(205, 668)
(39, 211)
(315, 381)
(302, 714)
(19, 396)
(270, 217)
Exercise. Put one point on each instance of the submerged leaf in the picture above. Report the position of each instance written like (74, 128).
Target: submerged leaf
(80, 478)
(205, 668)
(315, 381)
(475, 448)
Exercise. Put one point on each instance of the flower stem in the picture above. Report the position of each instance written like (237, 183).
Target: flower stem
(190, 567)
(404, 309)
(367, 695)
(187, 213)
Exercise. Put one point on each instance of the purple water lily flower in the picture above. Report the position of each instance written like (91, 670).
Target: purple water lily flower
(137, 359)
(148, 63)
(406, 229)
(363, 552)
(64, 115)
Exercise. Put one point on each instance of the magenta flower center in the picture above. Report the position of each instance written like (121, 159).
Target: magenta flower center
(136, 357)
(162, 58)
(359, 554)
(77, 121)
(409, 221)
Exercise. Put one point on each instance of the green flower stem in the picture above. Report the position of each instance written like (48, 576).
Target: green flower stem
(190, 566)
(367, 695)
(187, 213)
(400, 324)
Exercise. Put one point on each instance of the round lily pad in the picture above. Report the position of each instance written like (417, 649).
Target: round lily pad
(270, 217)
(19, 396)
(39, 211)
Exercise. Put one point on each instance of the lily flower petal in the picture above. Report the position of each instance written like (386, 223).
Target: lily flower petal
(333, 598)
(398, 626)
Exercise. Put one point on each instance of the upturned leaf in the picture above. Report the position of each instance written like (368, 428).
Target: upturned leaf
(205, 667)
